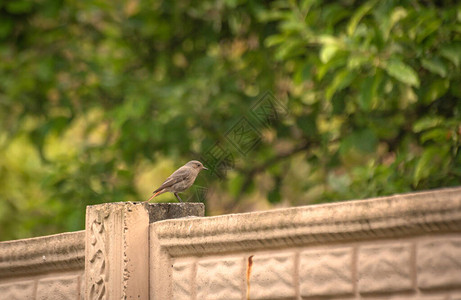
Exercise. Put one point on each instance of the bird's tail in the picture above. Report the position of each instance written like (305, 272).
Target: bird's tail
(153, 196)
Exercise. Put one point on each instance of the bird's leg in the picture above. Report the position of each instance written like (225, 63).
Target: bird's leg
(177, 196)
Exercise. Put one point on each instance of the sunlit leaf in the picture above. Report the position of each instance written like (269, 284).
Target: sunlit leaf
(358, 15)
(402, 72)
(427, 122)
(435, 65)
(327, 52)
(397, 14)
(438, 135)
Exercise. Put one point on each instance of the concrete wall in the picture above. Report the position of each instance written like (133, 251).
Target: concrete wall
(400, 247)
(50, 267)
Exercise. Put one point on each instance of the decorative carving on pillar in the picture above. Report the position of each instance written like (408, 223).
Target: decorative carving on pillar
(98, 257)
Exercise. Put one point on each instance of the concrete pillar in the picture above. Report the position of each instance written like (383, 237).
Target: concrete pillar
(117, 246)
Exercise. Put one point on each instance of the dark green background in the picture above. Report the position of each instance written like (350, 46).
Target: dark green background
(101, 100)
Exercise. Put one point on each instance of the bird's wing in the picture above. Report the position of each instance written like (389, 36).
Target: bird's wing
(179, 175)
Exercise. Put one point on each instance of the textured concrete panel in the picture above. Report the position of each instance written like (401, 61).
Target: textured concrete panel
(45, 254)
(17, 290)
(272, 276)
(456, 296)
(82, 287)
(387, 217)
(385, 268)
(326, 272)
(439, 263)
(182, 280)
(220, 279)
(63, 287)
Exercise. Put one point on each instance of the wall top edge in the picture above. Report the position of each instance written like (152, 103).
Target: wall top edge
(64, 251)
(391, 216)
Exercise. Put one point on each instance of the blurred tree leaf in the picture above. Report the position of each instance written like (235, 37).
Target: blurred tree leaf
(452, 52)
(435, 65)
(402, 72)
(429, 161)
(99, 101)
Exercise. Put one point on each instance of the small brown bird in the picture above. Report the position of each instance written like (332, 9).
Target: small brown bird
(180, 180)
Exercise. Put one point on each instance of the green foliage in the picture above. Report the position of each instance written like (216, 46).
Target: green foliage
(106, 90)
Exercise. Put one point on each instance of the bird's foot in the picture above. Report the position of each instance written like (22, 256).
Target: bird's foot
(177, 197)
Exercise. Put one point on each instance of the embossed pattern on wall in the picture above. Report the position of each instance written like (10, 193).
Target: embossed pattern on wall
(400, 247)
(362, 270)
(62, 285)
(49, 267)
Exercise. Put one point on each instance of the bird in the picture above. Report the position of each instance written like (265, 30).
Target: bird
(180, 180)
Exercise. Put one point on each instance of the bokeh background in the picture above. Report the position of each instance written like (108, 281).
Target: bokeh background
(101, 100)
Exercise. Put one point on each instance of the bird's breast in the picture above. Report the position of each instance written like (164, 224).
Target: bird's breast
(183, 185)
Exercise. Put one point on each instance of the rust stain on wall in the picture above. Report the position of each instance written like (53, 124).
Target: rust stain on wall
(249, 265)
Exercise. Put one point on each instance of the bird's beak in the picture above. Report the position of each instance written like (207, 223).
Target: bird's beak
(205, 168)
